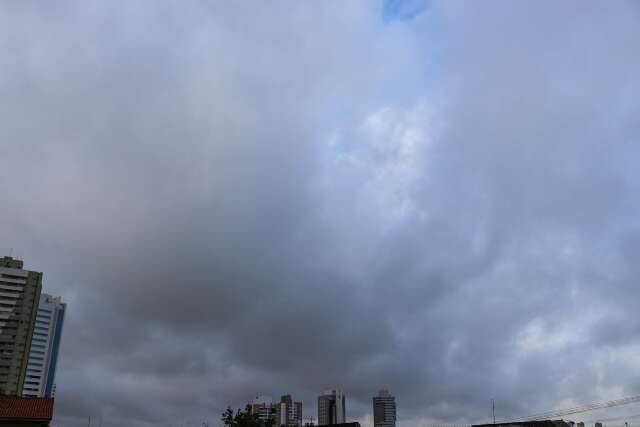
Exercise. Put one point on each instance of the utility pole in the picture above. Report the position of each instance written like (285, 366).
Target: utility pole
(493, 410)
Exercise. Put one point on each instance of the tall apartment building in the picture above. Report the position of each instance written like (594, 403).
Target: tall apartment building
(19, 297)
(289, 413)
(331, 407)
(45, 345)
(284, 413)
(384, 410)
(264, 409)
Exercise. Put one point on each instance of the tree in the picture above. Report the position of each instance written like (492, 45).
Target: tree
(227, 417)
(243, 418)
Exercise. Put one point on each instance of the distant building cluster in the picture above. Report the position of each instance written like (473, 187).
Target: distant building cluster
(30, 334)
(331, 410)
(284, 413)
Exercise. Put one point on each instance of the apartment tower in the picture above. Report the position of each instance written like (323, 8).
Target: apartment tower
(45, 345)
(264, 408)
(289, 413)
(19, 298)
(384, 410)
(331, 407)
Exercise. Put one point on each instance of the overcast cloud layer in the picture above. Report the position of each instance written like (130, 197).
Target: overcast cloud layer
(263, 198)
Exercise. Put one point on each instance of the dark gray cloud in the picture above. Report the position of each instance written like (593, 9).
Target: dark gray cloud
(241, 199)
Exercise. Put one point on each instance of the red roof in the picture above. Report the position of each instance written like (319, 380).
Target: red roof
(14, 408)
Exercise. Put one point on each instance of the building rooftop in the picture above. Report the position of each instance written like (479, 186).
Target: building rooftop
(384, 393)
(10, 262)
(13, 408)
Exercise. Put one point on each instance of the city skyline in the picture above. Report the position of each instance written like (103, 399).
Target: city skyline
(330, 409)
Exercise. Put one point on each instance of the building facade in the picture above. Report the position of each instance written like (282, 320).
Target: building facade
(264, 408)
(289, 413)
(384, 410)
(284, 413)
(45, 346)
(19, 298)
(331, 407)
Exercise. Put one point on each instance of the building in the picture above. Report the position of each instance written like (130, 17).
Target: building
(384, 410)
(25, 411)
(19, 298)
(284, 413)
(45, 345)
(264, 409)
(331, 408)
(289, 413)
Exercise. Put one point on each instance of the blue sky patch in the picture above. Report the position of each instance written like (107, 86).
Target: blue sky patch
(403, 10)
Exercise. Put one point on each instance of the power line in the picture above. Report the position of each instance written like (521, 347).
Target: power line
(577, 409)
(613, 419)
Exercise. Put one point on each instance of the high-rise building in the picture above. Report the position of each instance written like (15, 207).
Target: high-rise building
(19, 297)
(331, 407)
(384, 410)
(45, 345)
(284, 413)
(289, 413)
(264, 408)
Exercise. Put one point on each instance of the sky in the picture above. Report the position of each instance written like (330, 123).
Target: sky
(237, 198)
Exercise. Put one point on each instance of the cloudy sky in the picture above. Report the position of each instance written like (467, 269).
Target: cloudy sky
(241, 198)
